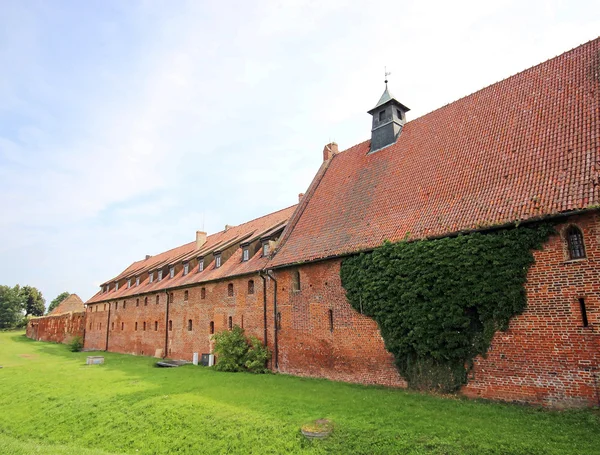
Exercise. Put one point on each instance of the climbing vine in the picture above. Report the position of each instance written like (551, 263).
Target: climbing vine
(439, 302)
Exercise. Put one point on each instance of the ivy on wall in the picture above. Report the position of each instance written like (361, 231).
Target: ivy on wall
(439, 302)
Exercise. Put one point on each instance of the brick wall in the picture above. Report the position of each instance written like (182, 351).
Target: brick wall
(128, 334)
(545, 357)
(59, 329)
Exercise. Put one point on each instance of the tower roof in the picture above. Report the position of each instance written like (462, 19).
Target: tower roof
(385, 98)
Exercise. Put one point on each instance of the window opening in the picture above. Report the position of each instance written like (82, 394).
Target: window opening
(230, 290)
(186, 295)
(189, 325)
(170, 325)
(212, 327)
(575, 243)
(584, 318)
(251, 287)
(203, 293)
(296, 280)
(230, 323)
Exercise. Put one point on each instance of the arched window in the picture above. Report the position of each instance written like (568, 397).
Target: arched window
(171, 297)
(251, 287)
(144, 326)
(230, 323)
(230, 289)
(145, 301)
(170, 325)
(124, 303)
(575, 243)
(203, 293)
(185, 295)
(155, 326)
(190, 325)
(122, 326)
(212, 327)
(157, 299)
(136, 326)
(137, 302)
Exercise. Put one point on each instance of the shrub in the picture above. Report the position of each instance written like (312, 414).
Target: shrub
(236, 352)
(76, 344)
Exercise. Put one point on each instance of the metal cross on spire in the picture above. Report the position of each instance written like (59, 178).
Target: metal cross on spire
(386, 75)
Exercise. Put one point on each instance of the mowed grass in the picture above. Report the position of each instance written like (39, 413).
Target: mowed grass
(52, 403)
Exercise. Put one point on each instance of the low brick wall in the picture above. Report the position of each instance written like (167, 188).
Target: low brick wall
(60, 328)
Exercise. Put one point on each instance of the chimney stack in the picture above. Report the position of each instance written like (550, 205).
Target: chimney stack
(227, 227)
(300, 196)
(200, 239)
(330, 150)
(148, 256)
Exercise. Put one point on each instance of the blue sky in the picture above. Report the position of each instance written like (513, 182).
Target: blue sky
(125, 126)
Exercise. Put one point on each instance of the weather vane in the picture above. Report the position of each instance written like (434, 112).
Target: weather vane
(386, 75)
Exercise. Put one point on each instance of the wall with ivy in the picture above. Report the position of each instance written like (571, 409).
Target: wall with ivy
(439, 302)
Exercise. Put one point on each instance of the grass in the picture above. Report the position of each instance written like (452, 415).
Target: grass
(52, 403)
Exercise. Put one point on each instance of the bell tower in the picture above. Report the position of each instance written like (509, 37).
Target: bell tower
(389, 116)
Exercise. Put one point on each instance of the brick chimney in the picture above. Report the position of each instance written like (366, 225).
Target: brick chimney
(148, 256)
(300, 196)
(330, 150)
(200, 239)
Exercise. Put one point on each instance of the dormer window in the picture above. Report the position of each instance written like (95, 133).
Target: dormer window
(265, 249)
(217, 260)
(245, 254)
(116, 286)
(150, 277)
(129, 282)
(160, 275)
(200, 264)
(172, 271)
(186, 268)
(137, 280)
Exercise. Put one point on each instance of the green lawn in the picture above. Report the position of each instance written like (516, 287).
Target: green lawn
(52, 403)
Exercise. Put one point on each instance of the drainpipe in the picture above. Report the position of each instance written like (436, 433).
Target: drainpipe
(107, 327)
(166, 326)
(264, 278)
(275, 343)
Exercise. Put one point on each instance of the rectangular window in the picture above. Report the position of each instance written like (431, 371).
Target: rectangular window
(265, 249)
(117, 286)
(155, 326)
(200, 264)
(172, 272)
(129, 282)
(186, 267)
(136, 326)
(144, 326)
(150, 277)
(203, 293)
(185, 295)
(137, 280)
(245, 254)
(218, 261)
(159, 275)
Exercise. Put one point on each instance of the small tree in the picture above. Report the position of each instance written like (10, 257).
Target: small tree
(11, 306)
(236, 352)
(34, 302)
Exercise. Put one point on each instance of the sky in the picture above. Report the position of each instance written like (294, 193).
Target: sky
(125, 126)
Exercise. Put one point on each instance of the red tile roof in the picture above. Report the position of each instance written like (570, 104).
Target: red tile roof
(232, 267)
(525, 147)
(70, 304)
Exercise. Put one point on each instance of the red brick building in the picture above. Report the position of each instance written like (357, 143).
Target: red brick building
(519, 151)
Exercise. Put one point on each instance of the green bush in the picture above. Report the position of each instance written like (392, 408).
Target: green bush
(236, 352)
(76, 344)
(438, 303)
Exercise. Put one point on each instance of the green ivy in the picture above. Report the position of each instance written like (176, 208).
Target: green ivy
(438, 303)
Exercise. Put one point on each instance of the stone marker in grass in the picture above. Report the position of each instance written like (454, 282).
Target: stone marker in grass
(317, 429)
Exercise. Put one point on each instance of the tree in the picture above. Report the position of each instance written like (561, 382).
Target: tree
(11, 306)
(58, 300)
(35, 304)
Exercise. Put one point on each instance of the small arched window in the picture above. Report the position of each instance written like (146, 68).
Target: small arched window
(170, 325)
(575, 243)
(212, 327)
(203, 293)
(157, 299)
(190, 325)
(230, 289)
(251, 287)
(185, 295)
(137, 302)
(230, 323)
(145, 301)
